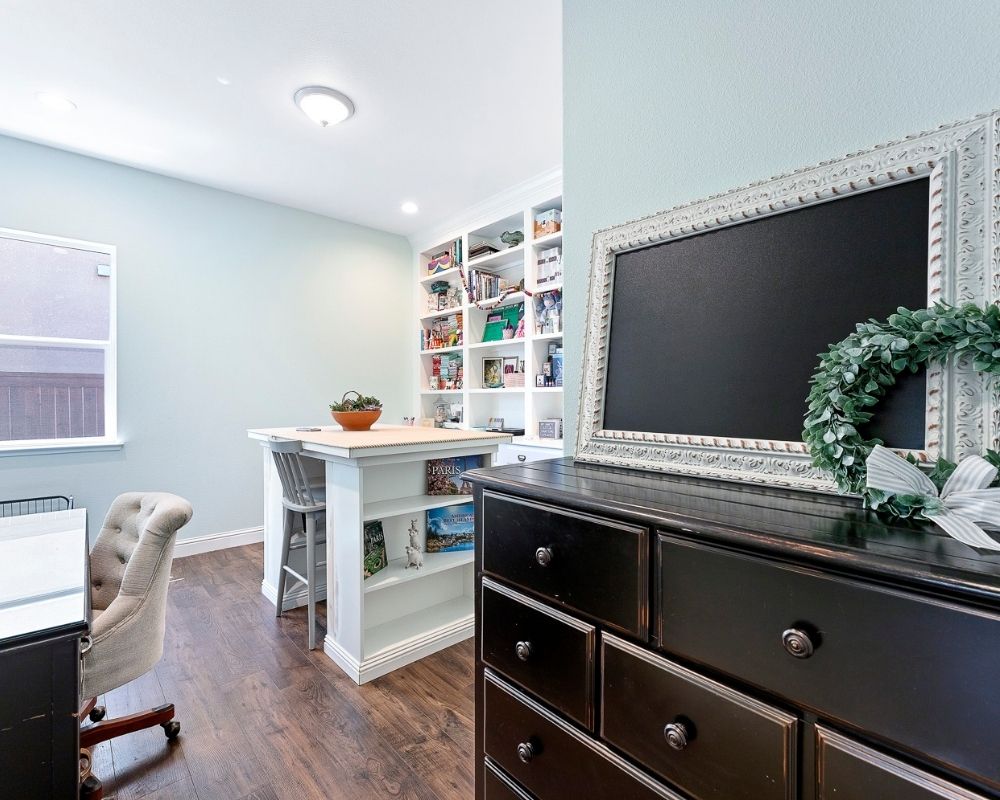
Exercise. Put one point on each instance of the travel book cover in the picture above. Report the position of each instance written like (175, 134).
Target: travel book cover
(375, 557)
(443, 474)
(451, 528)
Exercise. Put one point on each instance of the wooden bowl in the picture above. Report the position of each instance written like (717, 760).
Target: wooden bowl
(356, 420)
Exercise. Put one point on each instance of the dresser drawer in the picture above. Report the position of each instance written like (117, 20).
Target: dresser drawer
(846, 770)
(908, 669)
(550, 758)
(595, 566)
(499, 787)
(541, 649)
(684, 727)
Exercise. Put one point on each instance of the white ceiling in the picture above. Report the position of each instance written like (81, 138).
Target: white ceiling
(456, 99)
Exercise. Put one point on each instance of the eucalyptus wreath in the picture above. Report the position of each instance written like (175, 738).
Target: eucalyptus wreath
(856, 373)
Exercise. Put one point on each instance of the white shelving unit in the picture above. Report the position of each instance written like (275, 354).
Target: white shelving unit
(520, 407)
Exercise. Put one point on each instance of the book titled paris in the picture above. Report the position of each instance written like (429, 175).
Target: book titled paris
(444, 474)
(451, 528)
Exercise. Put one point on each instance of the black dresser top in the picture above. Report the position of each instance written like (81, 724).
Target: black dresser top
(805, 527)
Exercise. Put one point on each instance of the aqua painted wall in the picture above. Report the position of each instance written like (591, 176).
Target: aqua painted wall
(232, 314)
(669, 102)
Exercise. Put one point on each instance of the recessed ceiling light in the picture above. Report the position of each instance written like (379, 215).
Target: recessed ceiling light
(409, 207)
(55, 102)
(324, 106)
(223, 80)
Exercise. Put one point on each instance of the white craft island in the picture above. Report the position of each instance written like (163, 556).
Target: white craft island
(398, 615)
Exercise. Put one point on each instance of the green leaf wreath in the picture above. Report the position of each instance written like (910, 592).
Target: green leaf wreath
(855, 374)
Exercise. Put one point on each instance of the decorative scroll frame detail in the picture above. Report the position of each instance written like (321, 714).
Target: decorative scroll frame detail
(962, 162)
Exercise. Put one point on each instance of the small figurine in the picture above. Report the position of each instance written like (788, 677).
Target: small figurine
(512, 238)
(519, 333)
(414, 535)
(414, 558)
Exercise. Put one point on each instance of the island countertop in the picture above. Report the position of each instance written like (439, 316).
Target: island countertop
(380, 440)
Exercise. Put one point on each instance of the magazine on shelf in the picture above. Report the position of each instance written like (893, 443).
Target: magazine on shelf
(443, 474)
(375, 556)
(451, 528)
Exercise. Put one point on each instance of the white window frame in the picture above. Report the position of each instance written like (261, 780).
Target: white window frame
(110, 439)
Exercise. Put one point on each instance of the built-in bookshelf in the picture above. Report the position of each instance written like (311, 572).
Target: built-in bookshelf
(488, 297)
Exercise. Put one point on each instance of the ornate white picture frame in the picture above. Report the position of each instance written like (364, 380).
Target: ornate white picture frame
(962, 162)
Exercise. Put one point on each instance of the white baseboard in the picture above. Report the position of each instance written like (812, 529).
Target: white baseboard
(400, 655)
(293, 599)
(218, 541)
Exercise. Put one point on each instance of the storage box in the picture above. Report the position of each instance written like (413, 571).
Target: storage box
(548, 222)
(550, 428)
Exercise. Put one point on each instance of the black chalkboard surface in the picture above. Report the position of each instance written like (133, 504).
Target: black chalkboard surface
(718, 334)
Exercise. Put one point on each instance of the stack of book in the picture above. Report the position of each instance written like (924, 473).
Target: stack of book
(446, 258)
(446, 372)
(482, 248)
(442, 332)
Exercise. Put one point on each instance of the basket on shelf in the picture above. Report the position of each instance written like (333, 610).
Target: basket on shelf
(353, 418)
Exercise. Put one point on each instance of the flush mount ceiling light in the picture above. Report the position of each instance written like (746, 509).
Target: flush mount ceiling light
(409, 207)
(55, 102)
(324, 106)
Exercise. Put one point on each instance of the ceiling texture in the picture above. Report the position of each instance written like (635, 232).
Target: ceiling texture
(456, 99)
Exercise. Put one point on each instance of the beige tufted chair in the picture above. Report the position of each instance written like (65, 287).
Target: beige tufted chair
(129, 574)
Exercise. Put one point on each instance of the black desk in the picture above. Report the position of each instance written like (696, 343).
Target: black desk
(44, 612)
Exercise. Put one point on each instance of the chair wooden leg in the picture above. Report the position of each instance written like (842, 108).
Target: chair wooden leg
(286, 540)
(311, 575)
(112, 728)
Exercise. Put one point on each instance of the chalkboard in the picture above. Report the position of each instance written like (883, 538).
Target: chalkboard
(717, 334)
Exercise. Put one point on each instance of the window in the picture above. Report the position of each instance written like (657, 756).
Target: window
(57, 341)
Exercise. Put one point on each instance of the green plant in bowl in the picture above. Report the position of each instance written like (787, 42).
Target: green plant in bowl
(358, 414)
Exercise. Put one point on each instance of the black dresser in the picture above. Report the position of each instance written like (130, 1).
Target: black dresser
(653, 636)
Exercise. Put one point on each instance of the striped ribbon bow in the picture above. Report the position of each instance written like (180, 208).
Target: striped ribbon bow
(964, 500)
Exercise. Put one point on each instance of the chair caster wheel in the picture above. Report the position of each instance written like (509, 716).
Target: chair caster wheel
(172, 729)
(97, 713)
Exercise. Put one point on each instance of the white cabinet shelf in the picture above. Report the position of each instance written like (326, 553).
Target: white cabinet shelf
(397, 572)
(451, 618)
(517, 407)
(398, 506)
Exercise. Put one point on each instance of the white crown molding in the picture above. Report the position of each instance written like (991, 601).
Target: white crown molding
(514, 198)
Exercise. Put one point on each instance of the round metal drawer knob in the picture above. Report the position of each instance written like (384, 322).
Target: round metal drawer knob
(543, 555)
(523, 650)
(526, 751)
(676, 735)
(522, 458)
(797, 643)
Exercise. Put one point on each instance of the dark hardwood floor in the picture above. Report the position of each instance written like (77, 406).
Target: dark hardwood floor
(262, 718)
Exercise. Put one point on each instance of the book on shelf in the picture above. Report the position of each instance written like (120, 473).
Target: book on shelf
(445, 331)
(444, 474)
(447, 372)
(557, 366)
(482, 247)
(446, 258)
(375, 555)
(451, 528)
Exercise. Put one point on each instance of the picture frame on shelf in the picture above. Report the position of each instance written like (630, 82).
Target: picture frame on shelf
(492, 372)
(495, 424)
(539, 381)
(510, 364)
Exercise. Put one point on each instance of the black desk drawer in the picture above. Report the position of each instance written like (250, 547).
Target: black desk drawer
(596, 566)
(499, 787)
(908, 669)
(685, 727)
(553, 760)
(846, 770)
(543, 650)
